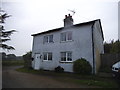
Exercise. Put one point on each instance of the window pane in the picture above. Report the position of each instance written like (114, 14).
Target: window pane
(63, 36)
(50, 38)
(44, 56)
(63, 56)
(45, 39)
(69, 36)
(69, 56)
(49, 56)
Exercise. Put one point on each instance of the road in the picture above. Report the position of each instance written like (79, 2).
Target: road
(14, 79)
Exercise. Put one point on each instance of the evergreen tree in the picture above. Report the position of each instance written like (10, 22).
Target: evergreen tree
(112, 47)
(4, 34)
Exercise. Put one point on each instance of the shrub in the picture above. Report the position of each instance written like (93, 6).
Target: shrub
(59, 69)
(82, 66)
(27, 60)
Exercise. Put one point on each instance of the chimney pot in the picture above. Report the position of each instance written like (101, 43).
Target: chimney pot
(68, 21)
(69, 15)
(65, 16)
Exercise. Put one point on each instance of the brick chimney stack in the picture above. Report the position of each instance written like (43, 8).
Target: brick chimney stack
(68, 21)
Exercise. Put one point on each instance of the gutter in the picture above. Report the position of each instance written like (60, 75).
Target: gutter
(93, 49)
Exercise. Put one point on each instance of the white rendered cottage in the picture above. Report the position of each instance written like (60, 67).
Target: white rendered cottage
(62, 46)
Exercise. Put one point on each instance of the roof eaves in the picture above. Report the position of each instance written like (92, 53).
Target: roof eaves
(101, 29)
(49, 31)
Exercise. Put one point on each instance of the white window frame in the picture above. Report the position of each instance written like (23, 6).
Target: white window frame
(48, 39)
(66, 36)
(47, 53)
(66, 56)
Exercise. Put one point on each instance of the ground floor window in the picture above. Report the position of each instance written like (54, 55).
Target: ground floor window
(47, 56)
(66, 56)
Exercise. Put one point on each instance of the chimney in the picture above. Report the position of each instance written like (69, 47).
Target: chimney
(68, 21)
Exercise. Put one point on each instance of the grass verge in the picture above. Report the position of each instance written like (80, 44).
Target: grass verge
(12, 62)
(89, 80)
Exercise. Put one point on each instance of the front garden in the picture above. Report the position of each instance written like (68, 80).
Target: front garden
(89, 80)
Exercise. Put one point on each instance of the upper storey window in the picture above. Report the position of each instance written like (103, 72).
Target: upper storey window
(48, 39)
(66, 36)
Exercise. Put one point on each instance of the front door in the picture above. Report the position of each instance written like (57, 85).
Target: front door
(37, 62)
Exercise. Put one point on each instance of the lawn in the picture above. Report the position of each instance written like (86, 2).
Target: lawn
(90, 80)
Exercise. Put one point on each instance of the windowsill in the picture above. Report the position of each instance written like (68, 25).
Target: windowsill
(46, 60)
(66, 41)
(48, 42)
(66, 61)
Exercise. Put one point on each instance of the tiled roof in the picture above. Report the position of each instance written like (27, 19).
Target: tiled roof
(76, 25)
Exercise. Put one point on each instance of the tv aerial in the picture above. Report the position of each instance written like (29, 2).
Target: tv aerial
(73, 11)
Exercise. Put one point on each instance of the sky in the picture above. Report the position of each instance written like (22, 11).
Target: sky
(34, 16)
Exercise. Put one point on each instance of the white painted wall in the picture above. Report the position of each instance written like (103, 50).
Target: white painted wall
(81, 46)
(98, 45)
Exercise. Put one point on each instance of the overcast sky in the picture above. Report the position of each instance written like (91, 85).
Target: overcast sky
(34, 16)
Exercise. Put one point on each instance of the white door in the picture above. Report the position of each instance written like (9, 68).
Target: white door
(37, 62)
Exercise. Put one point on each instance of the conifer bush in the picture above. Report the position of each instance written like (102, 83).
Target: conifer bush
(82, 66)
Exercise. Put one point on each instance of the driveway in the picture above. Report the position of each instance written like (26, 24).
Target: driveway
(15, 79)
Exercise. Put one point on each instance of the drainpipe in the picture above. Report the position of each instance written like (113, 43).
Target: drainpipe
(93, 49)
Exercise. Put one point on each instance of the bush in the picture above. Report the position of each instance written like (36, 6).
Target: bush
(27, 59)
(59, 69)
(82, 66)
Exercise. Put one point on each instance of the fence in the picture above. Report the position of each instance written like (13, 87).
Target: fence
(107, 60)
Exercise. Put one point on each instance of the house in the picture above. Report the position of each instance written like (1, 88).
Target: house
(62, 46)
